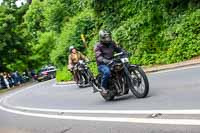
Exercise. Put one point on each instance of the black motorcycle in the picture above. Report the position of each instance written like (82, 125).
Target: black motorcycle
(81, 70)
(124, 77)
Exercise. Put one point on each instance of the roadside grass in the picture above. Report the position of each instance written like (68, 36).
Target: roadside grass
(4, 90)
(63, 75)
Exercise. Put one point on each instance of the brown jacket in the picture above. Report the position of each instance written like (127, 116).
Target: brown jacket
(74, 58)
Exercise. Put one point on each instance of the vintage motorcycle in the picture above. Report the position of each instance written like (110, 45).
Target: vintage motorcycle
(81, 69)
(124, 77)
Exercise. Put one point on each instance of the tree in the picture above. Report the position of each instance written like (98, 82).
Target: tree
(13, 46)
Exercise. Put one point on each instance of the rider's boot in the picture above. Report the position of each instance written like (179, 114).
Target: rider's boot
(104, 91)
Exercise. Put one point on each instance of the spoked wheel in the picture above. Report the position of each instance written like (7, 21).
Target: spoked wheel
(140, 83)
(90, 77)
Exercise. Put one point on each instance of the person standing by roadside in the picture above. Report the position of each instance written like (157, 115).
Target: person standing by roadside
(10, 80)
(6, 80)
(2, 83)
(14, 78)
(33, 75)
(18, 79)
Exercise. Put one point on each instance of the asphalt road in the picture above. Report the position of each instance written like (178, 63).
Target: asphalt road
(171, 106)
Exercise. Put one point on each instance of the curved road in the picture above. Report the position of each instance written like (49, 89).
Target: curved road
(171, 106)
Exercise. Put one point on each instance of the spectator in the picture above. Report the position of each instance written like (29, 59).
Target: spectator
(17, 77)
(14, 78)
(6, 80)
(10, 80)
(2, 83)
(33, 75)
(25, 77)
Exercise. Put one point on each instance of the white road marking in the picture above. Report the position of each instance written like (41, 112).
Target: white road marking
(107, 119)
(15, 93)
(111, 119)
(179, 112)
(63, 85)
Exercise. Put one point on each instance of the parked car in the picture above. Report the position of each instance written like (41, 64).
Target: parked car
(46, 73)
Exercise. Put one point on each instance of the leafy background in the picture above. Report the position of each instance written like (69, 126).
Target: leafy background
(154, 31)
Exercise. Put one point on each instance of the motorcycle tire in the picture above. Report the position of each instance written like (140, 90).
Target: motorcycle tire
(138, 71)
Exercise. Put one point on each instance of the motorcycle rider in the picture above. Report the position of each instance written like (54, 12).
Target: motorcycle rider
(73, 59)
(104, 51)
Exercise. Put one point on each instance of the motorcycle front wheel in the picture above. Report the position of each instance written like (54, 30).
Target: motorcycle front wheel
(139, 81)
(80, 81)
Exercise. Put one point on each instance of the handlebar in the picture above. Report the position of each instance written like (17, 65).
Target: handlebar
(122, 53)
(118, 54)
(83, 62)
(87, 62)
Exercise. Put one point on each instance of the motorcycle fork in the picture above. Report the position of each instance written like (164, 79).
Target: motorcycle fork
(135, 81)
(128, 75)
(80, 76)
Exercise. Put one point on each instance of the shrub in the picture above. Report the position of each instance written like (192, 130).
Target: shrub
(63, 74)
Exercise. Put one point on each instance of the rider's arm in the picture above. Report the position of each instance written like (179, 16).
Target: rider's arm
(99, 56)
(70, 64)
(83, 57)
(116, 48)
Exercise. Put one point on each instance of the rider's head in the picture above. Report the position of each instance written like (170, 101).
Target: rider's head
(72, 49)
(105, 36)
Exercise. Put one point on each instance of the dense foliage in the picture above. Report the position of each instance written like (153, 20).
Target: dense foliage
(13, 37)
(155, 31)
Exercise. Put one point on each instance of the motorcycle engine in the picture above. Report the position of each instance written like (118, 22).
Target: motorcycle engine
(117, 67)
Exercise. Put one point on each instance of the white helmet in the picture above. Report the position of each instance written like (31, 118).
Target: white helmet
(70, 48)
(105, 36)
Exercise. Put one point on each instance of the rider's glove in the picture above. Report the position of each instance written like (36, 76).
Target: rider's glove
(107, 61)
(87, 60)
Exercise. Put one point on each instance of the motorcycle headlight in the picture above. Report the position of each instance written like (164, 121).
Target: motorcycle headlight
(80, 68)
(81, 61)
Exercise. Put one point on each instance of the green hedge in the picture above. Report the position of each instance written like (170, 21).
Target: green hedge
(63, 75)
(154, 31)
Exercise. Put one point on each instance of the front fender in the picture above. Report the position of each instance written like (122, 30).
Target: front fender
(133, 66)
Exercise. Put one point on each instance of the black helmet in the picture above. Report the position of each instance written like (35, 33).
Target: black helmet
(105, 36)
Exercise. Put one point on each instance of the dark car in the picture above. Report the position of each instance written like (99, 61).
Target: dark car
(46, 73)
